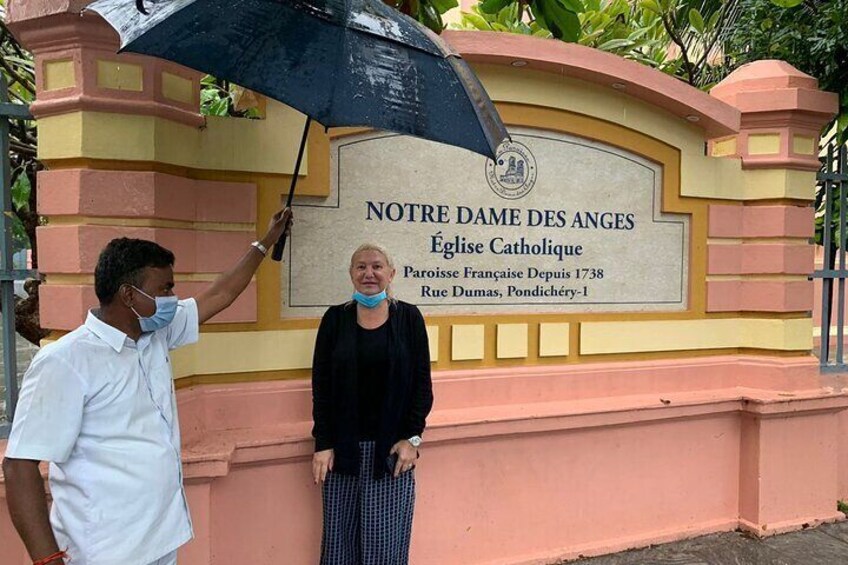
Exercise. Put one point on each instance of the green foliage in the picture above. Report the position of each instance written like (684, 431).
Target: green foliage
(842, 506)
(222, 98)
(544, 18)
(678, 37)
(812, 36)
(21, 192)
(632, 31)
(18, 70)
(559, 17)
(428, 12)
(506, 19)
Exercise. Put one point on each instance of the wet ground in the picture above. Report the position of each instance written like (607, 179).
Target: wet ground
(824, 545)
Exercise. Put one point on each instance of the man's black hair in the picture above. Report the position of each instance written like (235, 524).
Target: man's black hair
(123, 261)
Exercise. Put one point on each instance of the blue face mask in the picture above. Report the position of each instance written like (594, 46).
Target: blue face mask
(166, 309)
(371, 301)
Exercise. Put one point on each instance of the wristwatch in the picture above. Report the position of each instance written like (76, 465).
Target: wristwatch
(415, 441)
(259, 247)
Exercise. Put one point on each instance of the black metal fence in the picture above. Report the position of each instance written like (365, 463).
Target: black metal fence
(8, 273)
(832, 209)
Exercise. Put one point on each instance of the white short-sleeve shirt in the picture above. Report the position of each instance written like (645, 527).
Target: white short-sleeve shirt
(101, 409)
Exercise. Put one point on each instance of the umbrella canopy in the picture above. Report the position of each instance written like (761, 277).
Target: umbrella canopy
(340, 62)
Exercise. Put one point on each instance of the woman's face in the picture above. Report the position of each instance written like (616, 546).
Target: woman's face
(369, 272)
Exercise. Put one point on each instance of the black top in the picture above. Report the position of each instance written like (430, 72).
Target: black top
(407, 391)
(372, 364)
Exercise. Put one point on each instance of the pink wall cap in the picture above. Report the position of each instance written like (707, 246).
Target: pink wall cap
(774, 86)
(764, 75)
(20, 10)
(576, 61)
(46, 108)
(65, 28)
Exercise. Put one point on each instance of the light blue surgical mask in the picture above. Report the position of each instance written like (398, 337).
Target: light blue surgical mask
(166, 309)
(370, 301)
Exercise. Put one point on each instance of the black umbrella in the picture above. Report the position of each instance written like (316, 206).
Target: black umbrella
(340, 62)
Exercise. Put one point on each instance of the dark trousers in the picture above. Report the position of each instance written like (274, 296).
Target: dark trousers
(367, 521)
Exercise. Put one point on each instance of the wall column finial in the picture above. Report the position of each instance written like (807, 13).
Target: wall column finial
(783, 112)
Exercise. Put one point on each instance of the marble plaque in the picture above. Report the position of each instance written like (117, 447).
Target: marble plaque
(556, 224)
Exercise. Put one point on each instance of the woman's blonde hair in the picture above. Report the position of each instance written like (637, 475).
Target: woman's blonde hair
(390, 262)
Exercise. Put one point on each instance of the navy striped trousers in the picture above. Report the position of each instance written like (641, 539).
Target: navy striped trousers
(367, 521)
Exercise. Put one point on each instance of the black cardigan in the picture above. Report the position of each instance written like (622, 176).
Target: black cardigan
(409, 390)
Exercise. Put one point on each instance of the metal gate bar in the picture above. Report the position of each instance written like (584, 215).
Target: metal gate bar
(833, 180)
(8, 274)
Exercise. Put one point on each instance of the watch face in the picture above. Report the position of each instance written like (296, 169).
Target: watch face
(415, 441)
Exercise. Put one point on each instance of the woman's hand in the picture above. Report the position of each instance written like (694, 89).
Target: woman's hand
(407, 455)
(322, 463)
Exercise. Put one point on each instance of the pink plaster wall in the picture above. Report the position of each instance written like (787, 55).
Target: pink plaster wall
(536, 464)
(64, 307)
(842, 455)
(727, 221)
(11, 548)
(741, 267)
(759, 296)
(795, 452)
(760, 258)
(74, 249)
(143, 194)
(531, 465)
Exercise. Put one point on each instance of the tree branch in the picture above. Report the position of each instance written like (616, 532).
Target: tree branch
(725, 9)
(23, 149)
(16, 78)
(672, 33)
(22, 134)
(12, 41)
(9, 39)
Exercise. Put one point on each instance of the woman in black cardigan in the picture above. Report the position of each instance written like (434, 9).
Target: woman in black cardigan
(371, 394)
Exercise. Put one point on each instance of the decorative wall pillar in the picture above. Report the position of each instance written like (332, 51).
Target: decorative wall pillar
(123, 142)
(759, 251)
(760, 255)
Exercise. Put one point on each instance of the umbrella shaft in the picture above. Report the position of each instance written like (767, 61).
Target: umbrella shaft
(298, 161)
(277, 254)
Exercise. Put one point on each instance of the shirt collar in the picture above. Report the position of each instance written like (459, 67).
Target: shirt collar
(114, 337)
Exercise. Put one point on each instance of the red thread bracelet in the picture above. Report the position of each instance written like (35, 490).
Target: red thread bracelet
(51, 558)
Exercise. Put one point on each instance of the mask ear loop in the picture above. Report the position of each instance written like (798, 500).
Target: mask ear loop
(139, 316)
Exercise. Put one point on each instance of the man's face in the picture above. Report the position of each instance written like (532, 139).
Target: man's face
(157, 282)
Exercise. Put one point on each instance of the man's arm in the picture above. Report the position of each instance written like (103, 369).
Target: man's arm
(27, 503)
(230, 284)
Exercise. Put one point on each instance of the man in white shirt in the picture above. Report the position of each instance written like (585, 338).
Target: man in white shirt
(99, 405)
